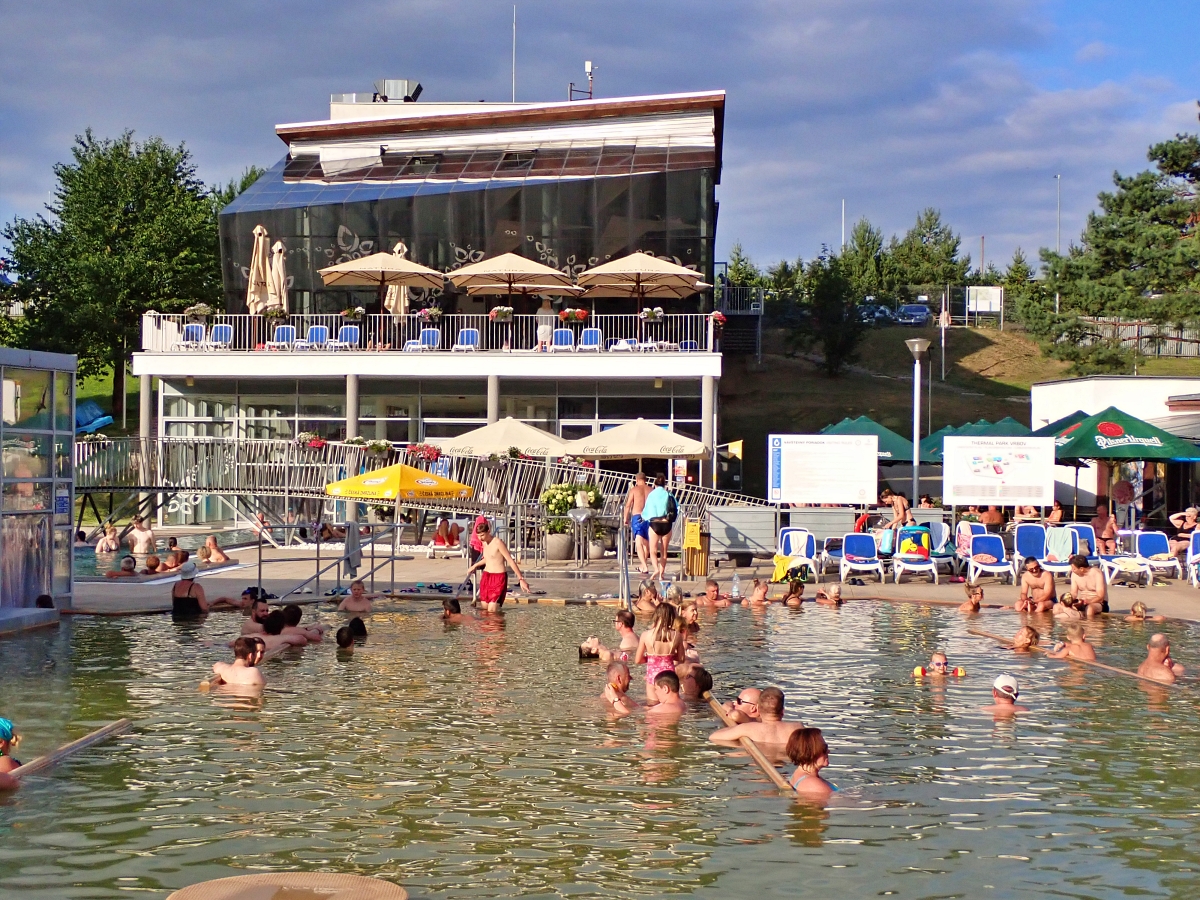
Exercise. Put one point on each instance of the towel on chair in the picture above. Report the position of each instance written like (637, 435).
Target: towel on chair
(1058, 544)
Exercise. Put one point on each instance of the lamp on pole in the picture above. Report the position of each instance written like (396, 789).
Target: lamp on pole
(917, 346)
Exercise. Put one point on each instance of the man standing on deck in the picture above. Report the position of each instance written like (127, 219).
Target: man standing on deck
(493, 584)
(635, 502)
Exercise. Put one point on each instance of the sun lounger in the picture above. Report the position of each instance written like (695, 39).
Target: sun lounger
(859, 554)
(988, 558)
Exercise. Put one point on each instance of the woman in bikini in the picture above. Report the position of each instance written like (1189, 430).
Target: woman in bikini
(110, 543)
(187, 597)
(660, 646)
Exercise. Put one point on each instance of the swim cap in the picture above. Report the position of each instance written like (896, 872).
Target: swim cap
(1007, 685)
(187, 570)
(6, 730)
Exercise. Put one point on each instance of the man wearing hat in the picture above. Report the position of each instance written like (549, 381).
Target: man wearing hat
(187, 597)
(1005, 692)
(1185, 526)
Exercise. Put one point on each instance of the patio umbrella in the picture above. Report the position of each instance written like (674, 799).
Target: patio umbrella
(507, 269)
(1059, 425)
(1006, 427)
(395, 300)
(640, 275)
(892, 447)
(931, 445)
(498, 437)
(399, 482)
(260, 265)
(1115, 435)
(526, 290)
(381, 270)
(636, 440)
(277, 295)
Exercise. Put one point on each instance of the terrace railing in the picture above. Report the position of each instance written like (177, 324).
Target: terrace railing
(170, 333)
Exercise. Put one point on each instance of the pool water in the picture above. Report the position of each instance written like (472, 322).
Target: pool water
(89, 564)
(473, 761)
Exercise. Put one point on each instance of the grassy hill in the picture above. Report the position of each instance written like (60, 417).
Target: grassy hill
(988, 375)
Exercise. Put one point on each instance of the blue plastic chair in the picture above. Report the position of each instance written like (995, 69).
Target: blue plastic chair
(992, 545)
(283, 338)
(1193, 558)
(430, 339)
(689, 346)
(905, 559)
(316, 339)
(467, 340)
(220, 337)
(347, 338)
(831, 552)
(859, 554)
(192, 337)
(563, 339)
(1148, 544)
(1029, 542)
(1085, 534)
(591, 340)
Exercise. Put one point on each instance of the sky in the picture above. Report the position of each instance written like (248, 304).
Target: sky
(969, 106)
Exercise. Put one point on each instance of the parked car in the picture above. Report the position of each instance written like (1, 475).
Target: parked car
(874, 314)
(913, 314)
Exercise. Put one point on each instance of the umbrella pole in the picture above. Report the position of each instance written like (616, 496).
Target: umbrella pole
(1075, 510)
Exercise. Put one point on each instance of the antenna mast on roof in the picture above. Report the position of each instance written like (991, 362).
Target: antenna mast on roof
(572, 90)
(514, 67)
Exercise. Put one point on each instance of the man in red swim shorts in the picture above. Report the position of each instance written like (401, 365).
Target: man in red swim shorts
(493, 584)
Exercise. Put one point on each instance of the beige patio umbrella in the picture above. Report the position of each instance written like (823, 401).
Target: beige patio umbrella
(498, 437)
(508, 269)
(526, 290)
(277, 295)
(642, 276)
(395, 300)
(381, 270)
(636, 440)
(260, 264)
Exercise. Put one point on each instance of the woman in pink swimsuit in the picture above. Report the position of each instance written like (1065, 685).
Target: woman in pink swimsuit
(660, 646)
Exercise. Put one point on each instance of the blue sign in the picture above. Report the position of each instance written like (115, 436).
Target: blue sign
(62, 504)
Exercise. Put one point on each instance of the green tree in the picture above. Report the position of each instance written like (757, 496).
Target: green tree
(863, 261)
(742, 270)
(131, 229)
(223, 195)
(833, 306)
(926, 255)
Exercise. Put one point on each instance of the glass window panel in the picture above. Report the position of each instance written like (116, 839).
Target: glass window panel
(28, 398)
(329, 429)
(575, 432)
(200, 429)
(64, 386)
(648, 213)
(268, 406)
(268, 429)
(63, 457)
(615, 159)
(503, 220)
(27, 455)
(24, 496)
(548, 162)
(63, 560)
(687, 407)
(581, 162)
(451, 429)
(483, 163)
(687, 429)
(441, 406)
(577, 407)
(451, 167)
(650, 159)
(635, 407)
(25, 566)
(691, 158)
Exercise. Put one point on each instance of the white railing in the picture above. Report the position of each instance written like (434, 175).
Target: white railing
(1147, 338)
(170, 333)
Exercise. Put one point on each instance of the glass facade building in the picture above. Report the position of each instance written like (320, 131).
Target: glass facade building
(37, 433)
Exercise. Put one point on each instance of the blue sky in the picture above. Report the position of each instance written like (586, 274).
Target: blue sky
(970, 106)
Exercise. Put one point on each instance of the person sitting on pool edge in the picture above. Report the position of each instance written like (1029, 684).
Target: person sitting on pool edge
(1005, 692)
(616, 688)
(496, 561)
(744, 707)
(1088, 586)
(292, 614)
(1037, 589)
(809, 753)
(1075, 647)
(1137, 614)
(216, 555)
(974, 599)
(243, 670)
(1158, 664)
(772, 729)
(666, 691)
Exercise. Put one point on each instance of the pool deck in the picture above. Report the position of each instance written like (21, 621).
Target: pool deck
(26, 619)
(1176, 600)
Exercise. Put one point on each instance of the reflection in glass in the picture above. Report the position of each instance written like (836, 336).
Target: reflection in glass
(26, 455)
(64, 387)
(27, 398)
(23, 496)
(24, 558)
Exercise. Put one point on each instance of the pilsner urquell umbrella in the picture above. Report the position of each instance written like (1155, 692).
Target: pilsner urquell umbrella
(1058, 426)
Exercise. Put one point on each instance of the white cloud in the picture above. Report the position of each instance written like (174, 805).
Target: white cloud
(1096, 51)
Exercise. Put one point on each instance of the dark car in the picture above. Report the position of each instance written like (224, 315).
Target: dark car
(873, 314)
(913, 314)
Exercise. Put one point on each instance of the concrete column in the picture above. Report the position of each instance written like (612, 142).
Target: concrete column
(145, 427)
(708, 425)
(493, 407)
(351, 431)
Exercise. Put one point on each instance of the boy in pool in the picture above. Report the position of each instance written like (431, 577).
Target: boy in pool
(807, 750)
(451, 609)
(358, 601)
(666, 691)
(345, 639)
(242, 671)
(495, 562)
(616, 690)
(1076, 646)
(292, 614)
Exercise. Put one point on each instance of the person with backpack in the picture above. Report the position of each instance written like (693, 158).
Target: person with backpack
(660, 512)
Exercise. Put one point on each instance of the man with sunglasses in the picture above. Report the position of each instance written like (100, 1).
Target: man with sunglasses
(744, 707)
(772, 727)
(1037, 589)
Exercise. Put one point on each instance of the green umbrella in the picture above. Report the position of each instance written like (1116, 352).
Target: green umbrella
(1055, 428)
(1114, 435)
(893, 449)
(1007, 427)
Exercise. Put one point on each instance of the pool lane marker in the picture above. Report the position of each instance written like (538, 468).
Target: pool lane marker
(1086, 662)
(757, 755)
(56, 756)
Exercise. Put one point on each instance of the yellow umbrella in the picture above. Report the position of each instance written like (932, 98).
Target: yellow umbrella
(260, 266)
(399, 482)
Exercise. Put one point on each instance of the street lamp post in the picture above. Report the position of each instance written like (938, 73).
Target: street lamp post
(917, 346)
(1057, 227)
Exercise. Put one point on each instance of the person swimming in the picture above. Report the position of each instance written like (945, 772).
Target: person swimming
(1026, 637)
(809, 753)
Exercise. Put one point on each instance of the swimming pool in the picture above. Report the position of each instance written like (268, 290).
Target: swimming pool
(470, 761)
(89, 565)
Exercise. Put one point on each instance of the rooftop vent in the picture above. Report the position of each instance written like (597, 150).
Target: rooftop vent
(392, 89)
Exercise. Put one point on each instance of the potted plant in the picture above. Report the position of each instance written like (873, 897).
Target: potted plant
(198, 313)
(558, 500)
(718, 320)
(501, 314)
(430, 314)
(426, 452)
(354, 314)
(356, 441)
(274, 313)
(379, 447)
(572, 314)
(381, 514)
(652, 315)
(310, 439)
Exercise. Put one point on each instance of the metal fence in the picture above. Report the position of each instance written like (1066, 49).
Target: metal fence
(163, 333)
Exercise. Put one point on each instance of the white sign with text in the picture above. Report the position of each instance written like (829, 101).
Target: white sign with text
(822, 468)
(997, 471)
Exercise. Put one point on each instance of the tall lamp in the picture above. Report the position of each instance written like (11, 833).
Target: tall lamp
(917, 346)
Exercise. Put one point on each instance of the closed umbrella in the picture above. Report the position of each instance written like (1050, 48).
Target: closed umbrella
(277, 294)
(636, 440)
(395, 300)
(499, 437)
(260, 264)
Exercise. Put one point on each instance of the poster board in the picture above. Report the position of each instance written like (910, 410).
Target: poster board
(1000, 471)
(985, 299)
(822, 468)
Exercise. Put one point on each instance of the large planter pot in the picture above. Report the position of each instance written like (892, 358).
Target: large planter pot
(560, 546)
(596, 550)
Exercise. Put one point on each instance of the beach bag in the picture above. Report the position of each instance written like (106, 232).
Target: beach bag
(887, 542)
(913, 543)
